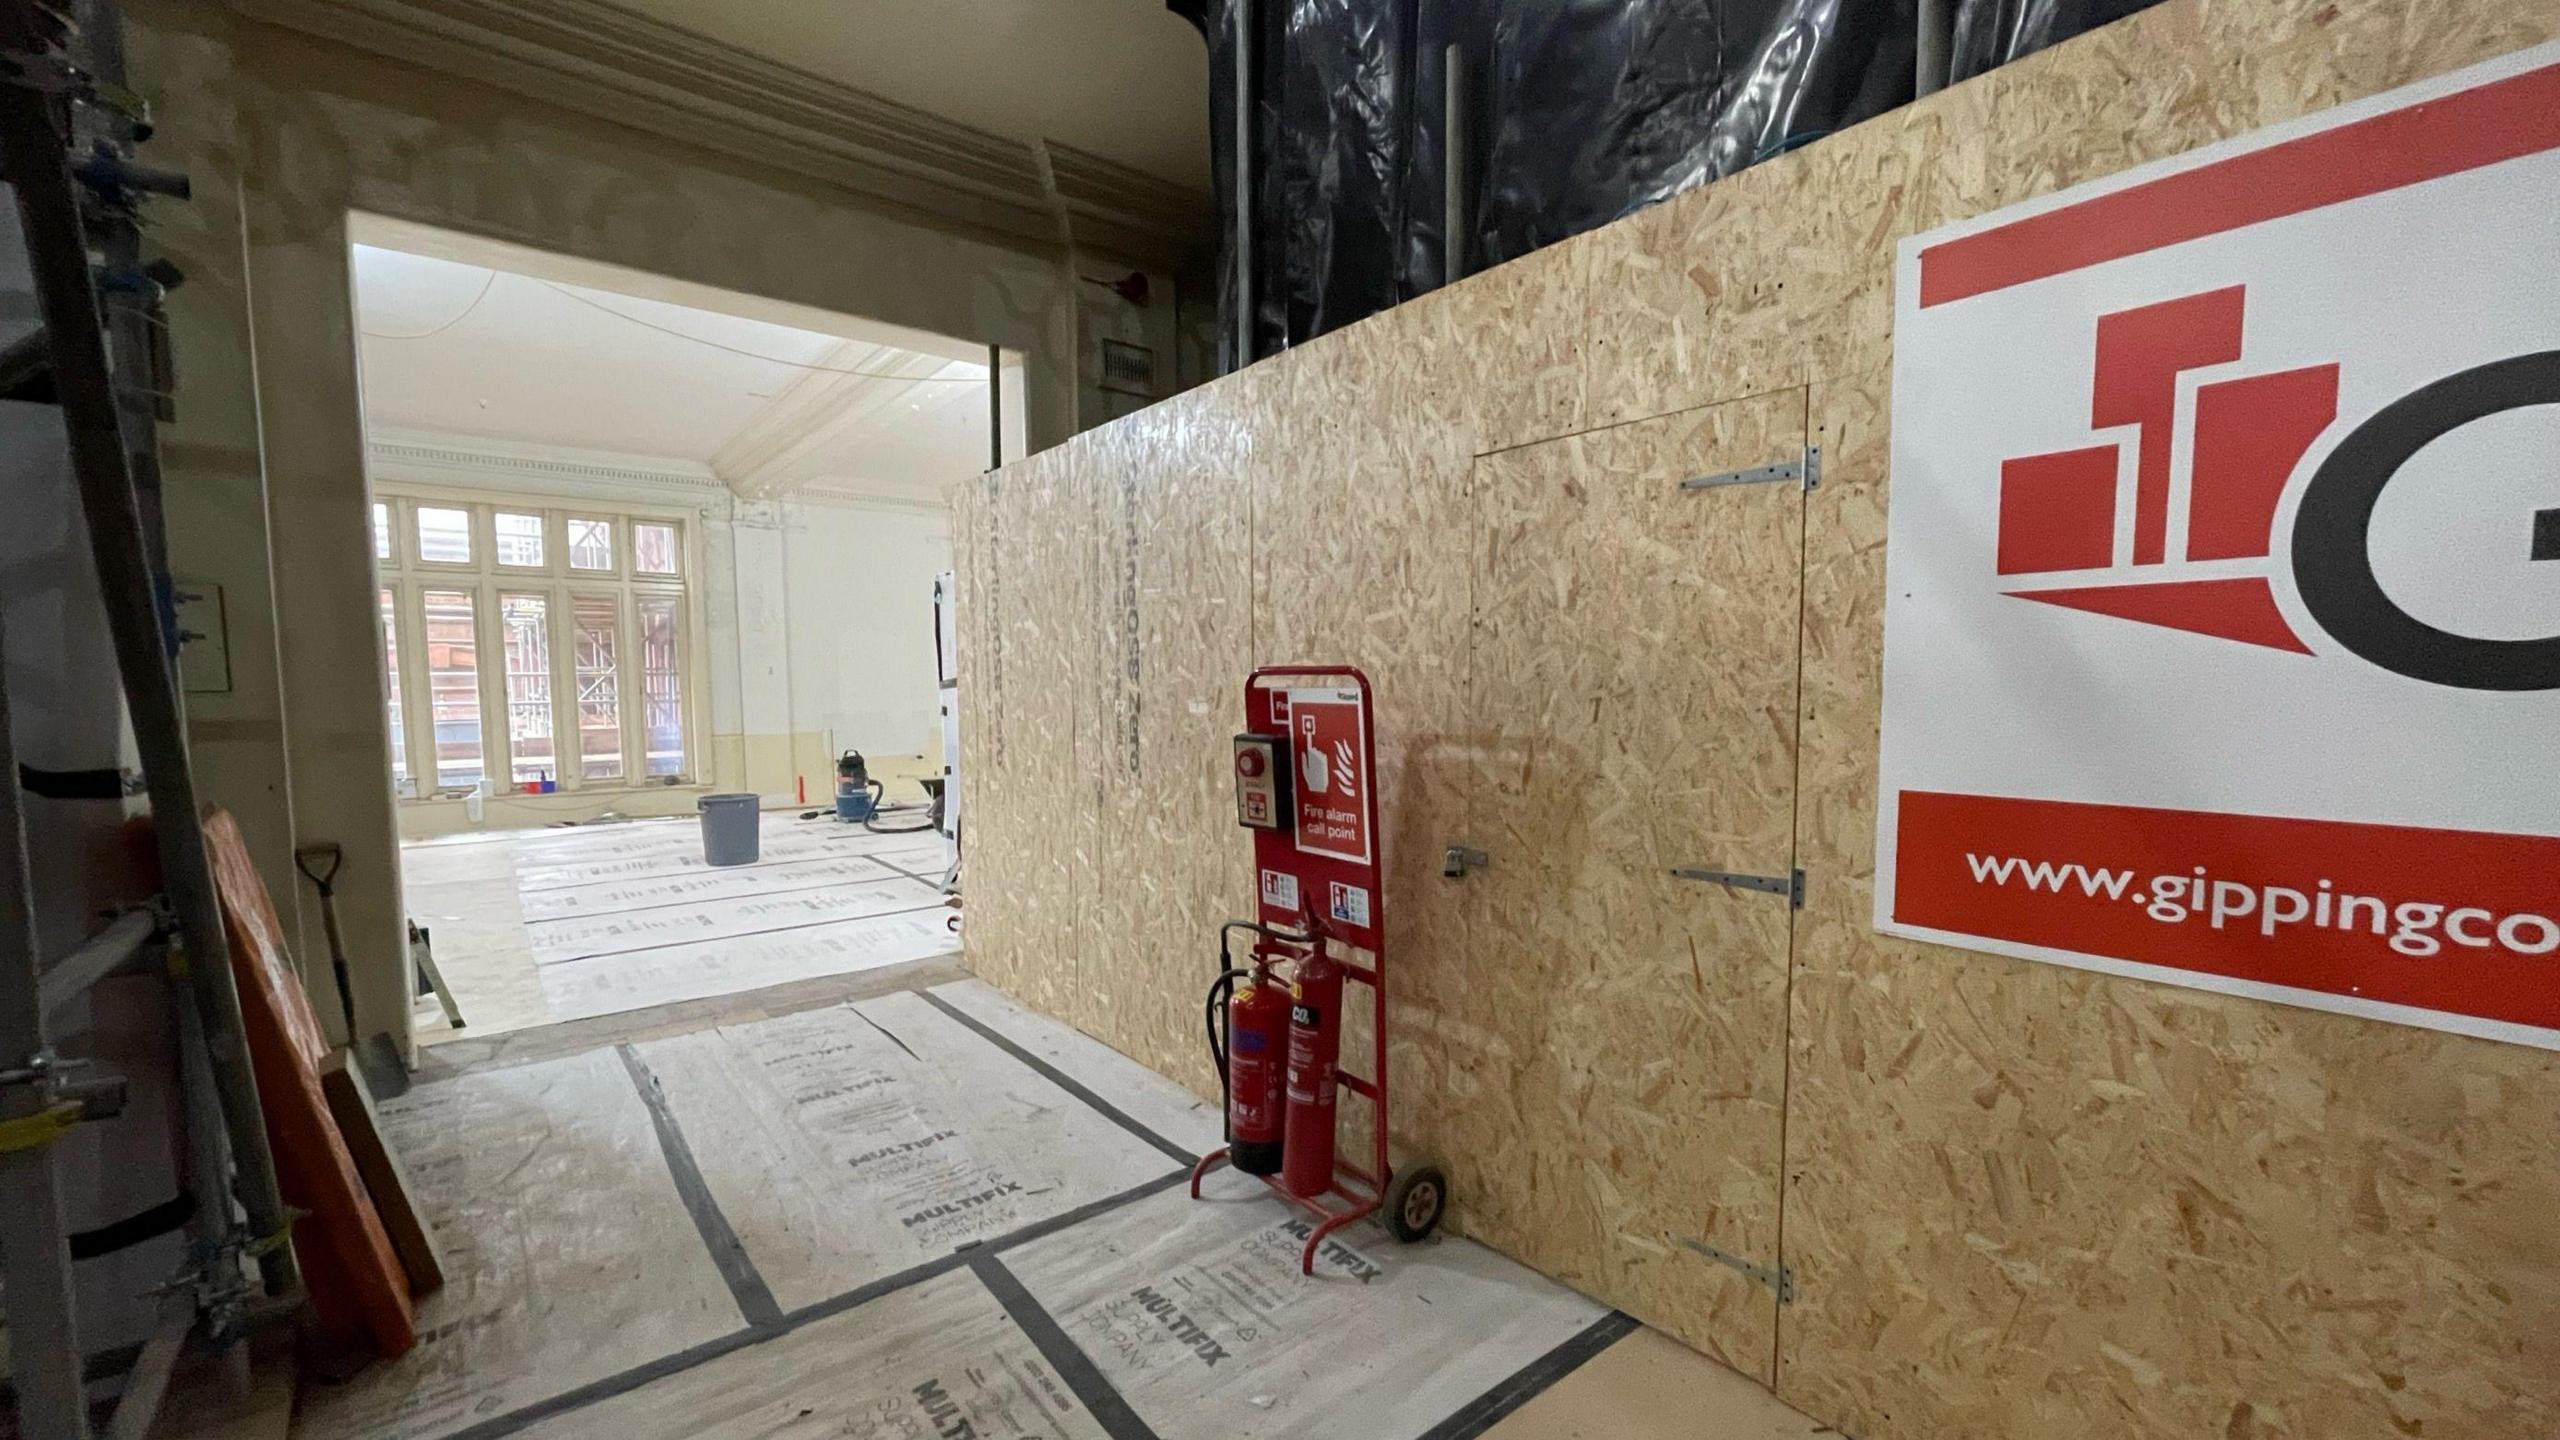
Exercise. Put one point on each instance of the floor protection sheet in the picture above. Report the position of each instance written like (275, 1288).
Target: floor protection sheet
(851, 1143)
(1194, 1310)
(700, 969)
(570, 1255)
(940, 1359)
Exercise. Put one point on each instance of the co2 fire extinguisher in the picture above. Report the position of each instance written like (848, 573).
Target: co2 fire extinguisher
(1315, 1044)
(1257, 1034)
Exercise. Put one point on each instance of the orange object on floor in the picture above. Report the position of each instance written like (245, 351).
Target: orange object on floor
(354, 1275)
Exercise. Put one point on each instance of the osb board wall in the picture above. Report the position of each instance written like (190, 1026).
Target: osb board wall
(1632, 681)
(2017, 1199)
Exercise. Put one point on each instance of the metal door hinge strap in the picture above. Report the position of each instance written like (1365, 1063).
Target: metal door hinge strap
(1777, 1277)
(1790, 884)
(1805, 470)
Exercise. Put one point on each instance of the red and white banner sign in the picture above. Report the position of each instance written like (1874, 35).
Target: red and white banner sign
(1330, 758)
(2222, 644)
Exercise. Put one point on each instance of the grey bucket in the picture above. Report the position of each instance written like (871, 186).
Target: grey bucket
(729, 828)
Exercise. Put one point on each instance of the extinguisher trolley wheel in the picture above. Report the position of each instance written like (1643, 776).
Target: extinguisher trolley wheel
(1413, 1202)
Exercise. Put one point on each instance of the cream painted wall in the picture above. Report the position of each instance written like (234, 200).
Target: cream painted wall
(284, 136)
(860, 586)
(821, 640)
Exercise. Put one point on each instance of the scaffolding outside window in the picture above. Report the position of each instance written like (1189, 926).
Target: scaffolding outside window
(662, 684)
(582, 682)
(527, 621)
(453, 685)
(653, 549)
(590, 543)
(402, 782)
(599, 659)
(519, 539)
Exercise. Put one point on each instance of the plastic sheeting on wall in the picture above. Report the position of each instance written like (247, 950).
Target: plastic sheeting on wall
(1580, 111)
(1991, 33)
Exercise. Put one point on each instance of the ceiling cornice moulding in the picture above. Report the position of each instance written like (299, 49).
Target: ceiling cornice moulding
(592, 57)
(525, 470)
(845, 498)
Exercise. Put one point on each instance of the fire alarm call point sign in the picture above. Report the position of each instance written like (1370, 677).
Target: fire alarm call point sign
(1330, 755)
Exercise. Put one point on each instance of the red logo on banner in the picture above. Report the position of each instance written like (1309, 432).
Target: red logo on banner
(1333, 787)
(2058, 511)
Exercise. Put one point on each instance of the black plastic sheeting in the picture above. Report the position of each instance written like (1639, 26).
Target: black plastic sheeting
(1580, 111)
(1991, 33)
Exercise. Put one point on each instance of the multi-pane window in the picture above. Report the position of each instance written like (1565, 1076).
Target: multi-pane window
(661, 686)
(538, 647)
(401, 781)
(653, 549)
(590, 543)
(453, 685)
(597, 624)
(527, 619)
(444, 534)
(519, 538)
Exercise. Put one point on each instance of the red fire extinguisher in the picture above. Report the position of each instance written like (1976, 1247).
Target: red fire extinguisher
(1315, 1044)
(1257, 1031)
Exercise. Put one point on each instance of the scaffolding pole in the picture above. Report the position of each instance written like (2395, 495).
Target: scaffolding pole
(32, 144)
(35, 1248)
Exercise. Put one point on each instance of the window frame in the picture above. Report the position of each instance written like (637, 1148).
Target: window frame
(617, 535)
(408, 578)
(409, 554)
(500, 567)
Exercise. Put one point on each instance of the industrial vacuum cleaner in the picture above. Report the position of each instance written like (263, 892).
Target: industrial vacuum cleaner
(1305, 776)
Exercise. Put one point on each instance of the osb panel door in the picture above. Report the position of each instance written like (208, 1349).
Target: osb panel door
(1635, 670)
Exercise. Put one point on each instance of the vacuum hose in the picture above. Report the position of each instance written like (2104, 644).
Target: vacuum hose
(880, 791)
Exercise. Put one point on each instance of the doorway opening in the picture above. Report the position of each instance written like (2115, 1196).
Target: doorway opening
(637, 543)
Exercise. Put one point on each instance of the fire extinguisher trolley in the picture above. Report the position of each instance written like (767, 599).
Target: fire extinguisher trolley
(1305, 772)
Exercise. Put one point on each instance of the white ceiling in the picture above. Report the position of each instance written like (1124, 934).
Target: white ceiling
(1125, 79)
(458, 350)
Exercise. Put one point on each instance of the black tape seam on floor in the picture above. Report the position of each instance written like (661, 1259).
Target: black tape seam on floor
(1038, 1229)
(1532, 1380)
(728, 1252)
(685, 870)
(632, 1379)
(1059, 1078)
(575, 915)
(1073, 1366)
(726, 939)
(916, 875)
